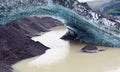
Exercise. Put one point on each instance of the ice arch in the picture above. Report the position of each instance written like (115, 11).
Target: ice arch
(89, 26)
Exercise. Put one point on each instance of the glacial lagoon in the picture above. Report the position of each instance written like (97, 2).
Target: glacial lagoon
(65, 56)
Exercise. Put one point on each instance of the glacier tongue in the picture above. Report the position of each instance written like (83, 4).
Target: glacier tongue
(89, 26)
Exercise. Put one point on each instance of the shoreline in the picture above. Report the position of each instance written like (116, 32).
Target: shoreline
(16, 43)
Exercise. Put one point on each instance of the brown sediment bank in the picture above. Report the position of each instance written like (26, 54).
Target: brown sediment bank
(16, 43)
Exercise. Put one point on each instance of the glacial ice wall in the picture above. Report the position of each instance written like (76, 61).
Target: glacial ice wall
(89, 26)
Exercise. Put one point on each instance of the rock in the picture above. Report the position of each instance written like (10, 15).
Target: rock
(70, 35)
(91, 49)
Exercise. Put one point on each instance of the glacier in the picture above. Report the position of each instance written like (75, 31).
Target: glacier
(89, 26)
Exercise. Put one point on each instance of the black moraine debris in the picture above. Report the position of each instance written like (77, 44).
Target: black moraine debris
(70, 35)
(16, 43)
(32, 26)
(91, 49)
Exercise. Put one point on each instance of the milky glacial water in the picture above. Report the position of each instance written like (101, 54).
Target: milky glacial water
(65, 56)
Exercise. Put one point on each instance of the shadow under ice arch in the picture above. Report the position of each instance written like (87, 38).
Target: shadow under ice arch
(89, 27)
